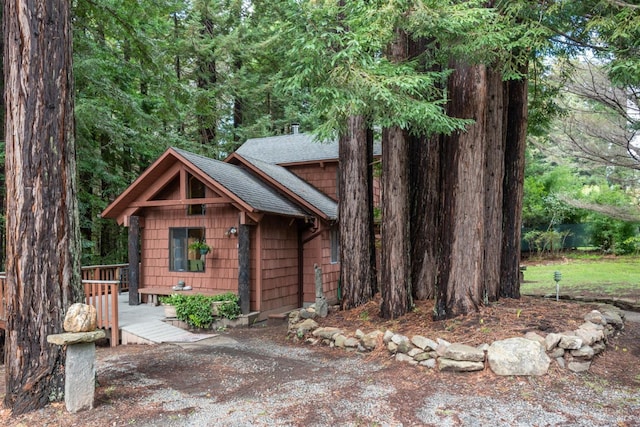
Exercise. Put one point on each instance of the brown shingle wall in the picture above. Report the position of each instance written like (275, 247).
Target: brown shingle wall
(221, 264)
(324, 178)
(279, 263)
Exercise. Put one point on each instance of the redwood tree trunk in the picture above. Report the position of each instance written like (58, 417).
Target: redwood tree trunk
(43, 265)
(395, 283)
(424, 188)
(516, 135)
(461, 273)
(424, 200)
(494, 175)
(357, 251)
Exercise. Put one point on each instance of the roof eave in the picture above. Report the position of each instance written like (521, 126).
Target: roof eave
(280, 187)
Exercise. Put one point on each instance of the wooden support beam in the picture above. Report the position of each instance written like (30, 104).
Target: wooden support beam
(244, 265)
(134, 259)
(181, 202)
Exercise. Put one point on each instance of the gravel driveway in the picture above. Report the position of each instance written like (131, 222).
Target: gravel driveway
(245, 379)
(254, 377)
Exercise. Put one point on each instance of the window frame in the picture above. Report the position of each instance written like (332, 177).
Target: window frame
(334, 245)
(179, 240)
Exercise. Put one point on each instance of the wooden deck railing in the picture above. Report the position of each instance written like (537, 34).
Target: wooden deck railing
(102, 284)
(117, 272)
(103, 295)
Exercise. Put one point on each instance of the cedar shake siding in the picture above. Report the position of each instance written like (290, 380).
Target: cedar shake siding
(279, 259)
(220, 265)
(323, 176)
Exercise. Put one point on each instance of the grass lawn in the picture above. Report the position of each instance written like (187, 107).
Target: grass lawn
(610, 277)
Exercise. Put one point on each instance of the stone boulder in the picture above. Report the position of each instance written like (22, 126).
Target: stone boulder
(518, 356)
(305, 327)
(403, 343)
(370, 340)
(463, 352)
(569, 341)
(423, 343)
(450, 365)
(614, 318)
(595, 317)
(327, 333)
(80, 318)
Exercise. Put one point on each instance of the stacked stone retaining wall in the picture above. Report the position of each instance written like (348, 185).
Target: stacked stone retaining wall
(531, 354)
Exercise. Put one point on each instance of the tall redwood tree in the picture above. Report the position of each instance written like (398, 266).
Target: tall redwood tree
(461, 214)
(357, 250)
(43, 251)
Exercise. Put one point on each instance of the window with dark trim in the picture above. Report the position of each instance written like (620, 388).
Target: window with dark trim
(181, 258)
(334, 239)
(196, 190)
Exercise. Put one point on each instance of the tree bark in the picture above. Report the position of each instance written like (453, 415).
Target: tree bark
(424, 183)
(43, 265)
(424, 177)
(395, 283)
(513, 187)
(494, 175)
(357, 250)
(460, 275)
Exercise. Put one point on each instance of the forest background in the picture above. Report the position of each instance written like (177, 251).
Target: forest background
(207, 75)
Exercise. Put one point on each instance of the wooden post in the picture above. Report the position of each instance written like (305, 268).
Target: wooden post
(134, 259)
(243, 268)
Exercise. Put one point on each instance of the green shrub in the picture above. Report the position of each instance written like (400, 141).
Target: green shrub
(630, 246)
(173, 299)
(610, 234)
(230, 308)
(195, 310)
(549, 241)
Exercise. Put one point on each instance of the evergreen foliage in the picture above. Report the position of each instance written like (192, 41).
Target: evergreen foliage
(149, 75)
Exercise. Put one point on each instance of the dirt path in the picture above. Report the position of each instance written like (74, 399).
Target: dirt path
(255, 377)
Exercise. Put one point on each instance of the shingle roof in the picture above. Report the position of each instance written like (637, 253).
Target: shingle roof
(298, 186)
(294, 148)
(244, 185)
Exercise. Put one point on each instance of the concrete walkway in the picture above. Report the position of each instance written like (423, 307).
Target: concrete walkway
(144, 324)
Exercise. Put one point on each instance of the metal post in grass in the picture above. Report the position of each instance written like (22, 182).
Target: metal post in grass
(557, 276)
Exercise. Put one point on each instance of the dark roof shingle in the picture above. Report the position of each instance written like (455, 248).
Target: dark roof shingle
(244, 185)
(298, 186)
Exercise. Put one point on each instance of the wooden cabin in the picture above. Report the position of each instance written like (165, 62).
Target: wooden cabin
(268, 212)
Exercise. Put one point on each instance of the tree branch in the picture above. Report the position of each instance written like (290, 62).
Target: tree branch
(621, 3)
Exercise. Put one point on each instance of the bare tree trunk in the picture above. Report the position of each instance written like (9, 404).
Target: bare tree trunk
(516, 136)
(494, 175)
(424, 182)
(357, 251)
(424, 167)
(207, 79)
(43, 265)
(460, 280)
(395, 283)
